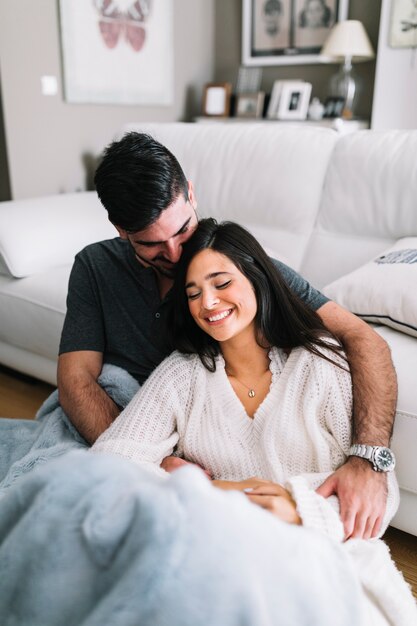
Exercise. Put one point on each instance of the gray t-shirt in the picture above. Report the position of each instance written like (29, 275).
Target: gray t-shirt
(114, 307)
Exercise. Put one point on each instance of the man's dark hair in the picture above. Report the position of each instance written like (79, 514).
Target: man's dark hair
(137, 179)
(282, 318)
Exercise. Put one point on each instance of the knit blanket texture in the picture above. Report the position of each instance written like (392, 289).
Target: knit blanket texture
(92, 539)
(25, 444)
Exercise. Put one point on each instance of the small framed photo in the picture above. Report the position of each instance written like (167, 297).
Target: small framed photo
(294, 101)
(272, 112)
(250, 104)
(216, 99)
(333, 106)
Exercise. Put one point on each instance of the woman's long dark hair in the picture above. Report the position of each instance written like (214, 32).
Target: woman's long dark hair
(282, 318)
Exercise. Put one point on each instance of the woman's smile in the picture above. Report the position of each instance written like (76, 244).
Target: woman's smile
(218, 316)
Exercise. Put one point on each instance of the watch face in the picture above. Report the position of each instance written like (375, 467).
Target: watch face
(384, 459)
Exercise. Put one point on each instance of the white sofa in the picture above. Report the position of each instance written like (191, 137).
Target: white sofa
(324, 203)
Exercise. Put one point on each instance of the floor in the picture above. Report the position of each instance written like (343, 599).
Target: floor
(21, 396)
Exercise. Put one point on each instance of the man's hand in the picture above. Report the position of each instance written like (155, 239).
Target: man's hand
(172, 463)
(362, 494)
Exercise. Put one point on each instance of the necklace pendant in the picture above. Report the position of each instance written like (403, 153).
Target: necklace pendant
(251, 393)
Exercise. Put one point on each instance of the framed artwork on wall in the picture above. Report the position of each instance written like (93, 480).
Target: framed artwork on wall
(288, 32)
(118, 52)
(403, 27)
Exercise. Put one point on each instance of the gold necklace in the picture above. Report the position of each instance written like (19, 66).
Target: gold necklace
(251, 392)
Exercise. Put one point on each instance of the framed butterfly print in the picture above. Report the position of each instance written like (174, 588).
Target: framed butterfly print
(117, 51)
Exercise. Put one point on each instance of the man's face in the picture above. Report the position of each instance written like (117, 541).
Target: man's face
(160, 244)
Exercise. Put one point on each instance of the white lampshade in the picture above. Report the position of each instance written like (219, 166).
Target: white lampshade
(348, 39)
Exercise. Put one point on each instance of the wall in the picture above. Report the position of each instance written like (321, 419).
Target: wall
(4, 168)
(395, 95)
(52, 145)
(228, 20)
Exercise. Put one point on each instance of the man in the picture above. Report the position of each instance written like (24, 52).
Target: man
(117, 304)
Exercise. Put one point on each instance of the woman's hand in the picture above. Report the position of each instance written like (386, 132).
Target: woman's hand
(275, 499)
(266, 494)
(172, 463)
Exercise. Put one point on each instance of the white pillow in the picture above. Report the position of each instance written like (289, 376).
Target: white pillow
(40, 233)
(384, 290)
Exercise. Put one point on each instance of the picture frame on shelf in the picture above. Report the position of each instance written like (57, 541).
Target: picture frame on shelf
(288, 32)
(333, 107)
(250, 105)
(272, 111)
(216, 99)
(294, 100)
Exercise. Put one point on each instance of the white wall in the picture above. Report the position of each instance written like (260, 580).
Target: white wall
(52, 145)
(395, 92)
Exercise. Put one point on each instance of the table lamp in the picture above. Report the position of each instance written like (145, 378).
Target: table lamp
(347, 42)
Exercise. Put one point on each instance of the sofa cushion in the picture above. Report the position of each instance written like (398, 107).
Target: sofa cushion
(32, 311)
(368, 202)
(370, 185)
(41, 233)
(384, 290)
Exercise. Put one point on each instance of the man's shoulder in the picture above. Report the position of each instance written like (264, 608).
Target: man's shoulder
(286, 271)
(103, 248)
(102, 254)
(300, 286)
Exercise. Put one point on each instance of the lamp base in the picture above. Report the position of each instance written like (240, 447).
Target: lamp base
(345, 84)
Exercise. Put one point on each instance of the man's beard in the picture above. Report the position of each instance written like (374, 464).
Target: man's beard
(167, 272)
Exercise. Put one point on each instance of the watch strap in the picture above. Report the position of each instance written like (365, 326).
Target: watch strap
(362, 450)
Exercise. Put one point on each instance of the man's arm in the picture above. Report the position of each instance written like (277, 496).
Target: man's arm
(362, 491)
(87, 405)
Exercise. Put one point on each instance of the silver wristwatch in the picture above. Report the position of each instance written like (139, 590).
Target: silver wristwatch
(382, 459)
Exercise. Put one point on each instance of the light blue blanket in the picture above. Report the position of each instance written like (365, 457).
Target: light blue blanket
(25, 444)
(92, 540)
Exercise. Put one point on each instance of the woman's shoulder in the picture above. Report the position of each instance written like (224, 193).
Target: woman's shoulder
(179, 364)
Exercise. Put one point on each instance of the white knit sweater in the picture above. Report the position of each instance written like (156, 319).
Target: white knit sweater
(298, 436)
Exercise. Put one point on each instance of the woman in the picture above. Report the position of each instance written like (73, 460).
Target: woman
(258, 393)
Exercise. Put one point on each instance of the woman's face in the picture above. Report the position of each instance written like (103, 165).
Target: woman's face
(221, 299)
